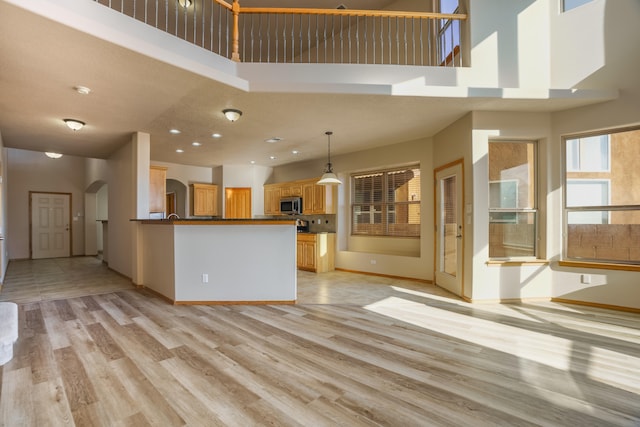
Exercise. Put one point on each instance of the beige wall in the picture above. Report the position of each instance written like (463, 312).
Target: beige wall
(406, 257)
(451, 144)
(64, 175)
(4, 203)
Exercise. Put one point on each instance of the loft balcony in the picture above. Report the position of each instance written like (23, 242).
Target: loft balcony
(305, 35)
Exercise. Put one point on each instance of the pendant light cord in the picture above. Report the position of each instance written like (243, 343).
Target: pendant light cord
(329, 133)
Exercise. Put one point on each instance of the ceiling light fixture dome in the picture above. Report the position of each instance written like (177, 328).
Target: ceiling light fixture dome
(82, 90)
(329, 178)
(232, 114)
(52, 155)
(185, 3)
(74, 124)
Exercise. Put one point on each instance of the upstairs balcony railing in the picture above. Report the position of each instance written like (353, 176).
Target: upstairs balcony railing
(304, 35)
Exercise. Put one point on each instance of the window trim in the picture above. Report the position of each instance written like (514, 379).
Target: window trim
(535, 209)
(585, 262)
(384, 172)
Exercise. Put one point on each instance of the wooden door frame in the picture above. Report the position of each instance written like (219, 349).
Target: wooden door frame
(457, 162)
(31, 193)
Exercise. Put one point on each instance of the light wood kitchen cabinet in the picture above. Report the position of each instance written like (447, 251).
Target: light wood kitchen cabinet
(316, 199)
(291, 189)
(204, 199)
(157, 189)
(316, 252)
(272, 195)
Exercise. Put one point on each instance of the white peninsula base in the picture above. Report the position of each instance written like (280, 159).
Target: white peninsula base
(220, 262)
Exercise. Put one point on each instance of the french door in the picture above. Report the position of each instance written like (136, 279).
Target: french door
(449, 228)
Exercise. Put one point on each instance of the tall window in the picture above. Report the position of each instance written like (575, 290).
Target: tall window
(386, 202)
(602, 197)
(572, 4)
(512, 199)
(448, 33)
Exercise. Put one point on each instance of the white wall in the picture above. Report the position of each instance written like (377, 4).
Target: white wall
(509, 42)
(240, 262)
(577, 50)
(64, 175)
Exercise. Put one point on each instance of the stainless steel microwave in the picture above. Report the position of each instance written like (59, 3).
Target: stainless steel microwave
(291, 205)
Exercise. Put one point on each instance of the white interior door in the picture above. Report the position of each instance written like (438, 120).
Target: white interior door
(449, 229)
(50, 225)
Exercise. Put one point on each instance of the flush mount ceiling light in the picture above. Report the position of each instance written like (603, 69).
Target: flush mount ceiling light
(52, 155)
(174, 131)
(82, 90)
(232, 114)
(216, 135)
(273, 139)
(196, 144)
(74, 124)
(329, 178)
(185, 3)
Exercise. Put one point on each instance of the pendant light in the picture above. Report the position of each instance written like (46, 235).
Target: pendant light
(329, 178)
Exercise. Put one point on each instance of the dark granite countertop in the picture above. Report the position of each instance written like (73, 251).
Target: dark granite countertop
(217, 221)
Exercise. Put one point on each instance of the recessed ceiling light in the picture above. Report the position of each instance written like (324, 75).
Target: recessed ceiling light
(216, 135)
(273, 139)
(179, 150)
(253, 162)
(196, 144)
(82, 90)
(53, 155)
(272, 157)
(174, 131)
(295, 152)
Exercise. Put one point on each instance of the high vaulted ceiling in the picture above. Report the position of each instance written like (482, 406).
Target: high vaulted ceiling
(42, 61)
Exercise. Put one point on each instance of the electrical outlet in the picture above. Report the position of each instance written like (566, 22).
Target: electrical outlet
(585, 278)
(205, 278)
(373, 261)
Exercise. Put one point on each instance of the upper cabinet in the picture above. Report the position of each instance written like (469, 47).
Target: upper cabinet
(204, 199)
(316, 199)
(157, 189)
(272, 195)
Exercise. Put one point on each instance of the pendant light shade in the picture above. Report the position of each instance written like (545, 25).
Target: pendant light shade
(185, 3)
(329, 178)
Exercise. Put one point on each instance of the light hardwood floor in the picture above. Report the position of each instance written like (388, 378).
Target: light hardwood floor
(355, 351)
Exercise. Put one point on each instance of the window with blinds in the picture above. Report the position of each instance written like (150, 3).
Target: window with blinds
(386, 202)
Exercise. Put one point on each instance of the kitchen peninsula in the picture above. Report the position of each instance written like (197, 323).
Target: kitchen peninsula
(220, 261)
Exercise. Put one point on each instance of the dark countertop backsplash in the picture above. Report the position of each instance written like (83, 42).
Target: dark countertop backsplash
(320, 223)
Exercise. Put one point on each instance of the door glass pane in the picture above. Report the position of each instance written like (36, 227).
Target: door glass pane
(449, 255)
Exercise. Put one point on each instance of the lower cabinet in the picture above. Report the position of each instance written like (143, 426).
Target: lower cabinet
(316, 252)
